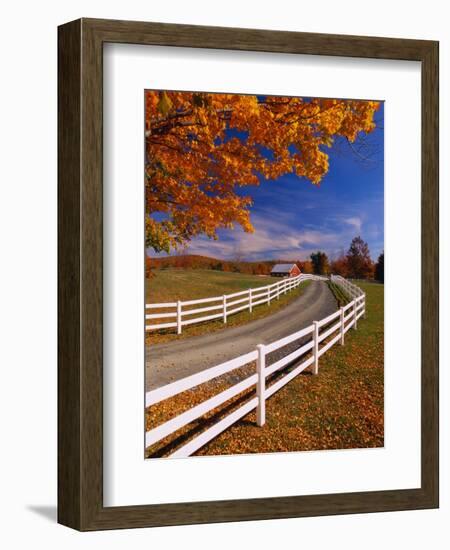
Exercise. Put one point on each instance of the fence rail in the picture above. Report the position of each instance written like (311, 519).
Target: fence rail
(324, 333)
(351, 289)
(219, 307)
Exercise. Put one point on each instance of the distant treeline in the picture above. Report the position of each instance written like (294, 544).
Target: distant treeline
(356, 263)
(192, 261)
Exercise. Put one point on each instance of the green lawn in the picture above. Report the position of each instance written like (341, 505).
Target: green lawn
(340, 408)
(169, 285)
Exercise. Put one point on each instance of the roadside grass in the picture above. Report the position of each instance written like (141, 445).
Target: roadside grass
(340, 408)
(172, 284)
(340, 296)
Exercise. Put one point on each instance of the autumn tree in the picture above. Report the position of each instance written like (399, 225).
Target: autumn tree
(201, 148)
(148, 268)
(306, 266)
(320, 263)
(261, 269)
(379, 268)
(359, 263)
(338, 265)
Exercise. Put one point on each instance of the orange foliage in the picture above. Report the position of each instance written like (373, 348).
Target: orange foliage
(305, 266)
(193, 165)
(194, 261)
(339, 266)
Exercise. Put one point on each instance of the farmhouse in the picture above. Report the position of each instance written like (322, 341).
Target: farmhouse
(285, 270)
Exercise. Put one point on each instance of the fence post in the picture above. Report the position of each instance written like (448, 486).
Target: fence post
(268, 296)
(316, 348)
(250, 305)
(179, 317)
(364, 303)
(224, 308)
(355, 326)
(278, 290)
(261, 385)
(342, 325)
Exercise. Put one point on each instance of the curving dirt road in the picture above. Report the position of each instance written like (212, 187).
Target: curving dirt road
(168, 362)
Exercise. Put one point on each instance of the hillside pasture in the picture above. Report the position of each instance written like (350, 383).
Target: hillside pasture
(170, 285)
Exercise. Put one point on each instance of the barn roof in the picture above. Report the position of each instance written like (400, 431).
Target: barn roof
(282, 268)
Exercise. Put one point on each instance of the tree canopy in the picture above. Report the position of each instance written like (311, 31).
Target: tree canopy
(339, 265)
(320, 263)
(359, 264)
(379, 268)
(202, 147)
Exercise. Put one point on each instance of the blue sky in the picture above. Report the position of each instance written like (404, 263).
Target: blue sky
(292, 217)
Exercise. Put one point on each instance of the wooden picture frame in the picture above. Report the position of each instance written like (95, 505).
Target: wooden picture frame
(80, 271)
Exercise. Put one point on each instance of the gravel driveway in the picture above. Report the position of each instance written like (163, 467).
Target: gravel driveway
(168, 362)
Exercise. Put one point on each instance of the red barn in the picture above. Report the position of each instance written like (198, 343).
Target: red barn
(285, 270)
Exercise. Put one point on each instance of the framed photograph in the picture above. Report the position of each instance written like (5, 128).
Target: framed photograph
(232, 343)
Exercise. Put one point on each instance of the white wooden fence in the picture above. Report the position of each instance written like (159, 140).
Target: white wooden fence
(323, 335)
(218, 307)
(349, 288)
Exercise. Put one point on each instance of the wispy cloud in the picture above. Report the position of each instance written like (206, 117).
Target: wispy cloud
(272, 239)
(354, 222)
(278, 238)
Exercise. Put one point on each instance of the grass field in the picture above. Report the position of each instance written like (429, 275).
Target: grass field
(340, 408)
(169, 285)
